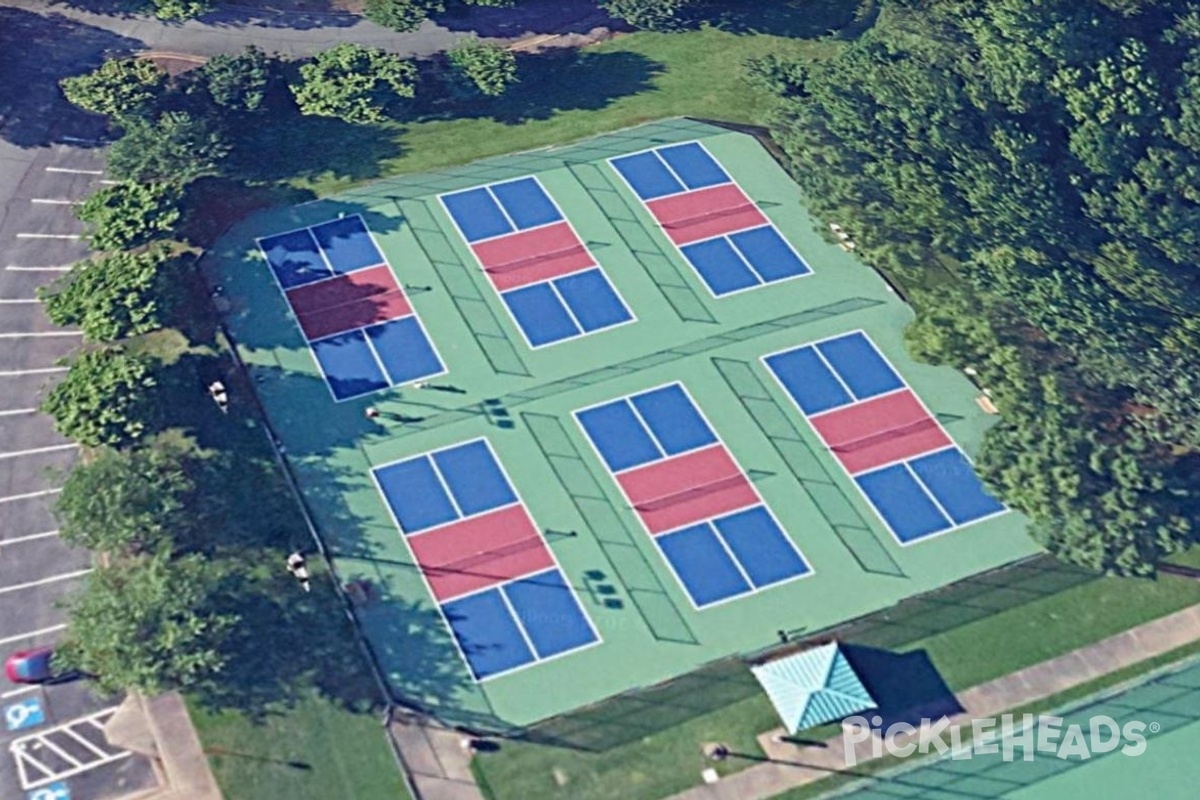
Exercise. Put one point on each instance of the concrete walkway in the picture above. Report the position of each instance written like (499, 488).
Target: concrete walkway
(792, 765)
(436, 760)
(230, 29)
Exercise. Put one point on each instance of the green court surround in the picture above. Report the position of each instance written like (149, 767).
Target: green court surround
(522, 400)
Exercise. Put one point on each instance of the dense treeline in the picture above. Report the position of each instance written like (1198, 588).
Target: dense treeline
(1046, 156)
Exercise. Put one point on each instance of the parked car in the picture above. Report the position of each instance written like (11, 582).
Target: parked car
(31, 666)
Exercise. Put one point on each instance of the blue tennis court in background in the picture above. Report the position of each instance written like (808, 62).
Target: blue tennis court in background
(705, 516)
(360, 326)
(718, 230)
(502, 593)
(899, 456)
(549, 282)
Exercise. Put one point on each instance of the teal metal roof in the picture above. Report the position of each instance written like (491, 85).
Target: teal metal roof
(813, 687)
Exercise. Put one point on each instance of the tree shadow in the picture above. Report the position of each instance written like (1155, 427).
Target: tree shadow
(282, 144)
(36, 52)
(244, 16)
(551, 82)
(530, 17)
(795, 19)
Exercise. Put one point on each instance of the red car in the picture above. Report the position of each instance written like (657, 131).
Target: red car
(30, 666)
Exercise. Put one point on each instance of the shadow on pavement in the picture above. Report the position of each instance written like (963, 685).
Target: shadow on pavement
(36, 52)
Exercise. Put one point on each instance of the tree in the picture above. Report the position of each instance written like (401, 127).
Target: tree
(177, 147)
(237, 82)
(102, 399)
(485, 68)
(401, 15)
(120, 88)
(112, 297)
(1052, 166)
(125, 502)
(149, 623)
(354, 83)
(130, 214)
(654, 15)
(179, 10)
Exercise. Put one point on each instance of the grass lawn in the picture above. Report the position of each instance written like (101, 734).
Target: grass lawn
(563, 96)
(314, 750)
(670, 761)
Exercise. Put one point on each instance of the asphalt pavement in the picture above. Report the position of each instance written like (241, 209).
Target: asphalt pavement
(52, 745)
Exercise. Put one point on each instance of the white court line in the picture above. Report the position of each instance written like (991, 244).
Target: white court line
(28, 495)
(49, 236)
(12, 268)
(66, 576)
(12, 373)
(36, 450)
(15, 692)
(39, 334)
(75, 171)
(49, 202)
(31, 537)
(12, 412)
(32, 634)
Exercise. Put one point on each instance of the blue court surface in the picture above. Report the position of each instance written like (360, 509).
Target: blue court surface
(715, 555)
(519, 624)
(929, 494)
(566, 307)
(834, 372)
(670, 170)
(370, 359)
(310, 254)
(499, 208)
(917, 497)
(445, 485)
(744, 260)
(503, 622)
(727, 261)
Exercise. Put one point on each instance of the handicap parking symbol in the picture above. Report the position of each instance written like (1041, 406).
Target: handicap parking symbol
(24, 714)
(55, 791)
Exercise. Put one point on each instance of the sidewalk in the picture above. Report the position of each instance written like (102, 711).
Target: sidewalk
(792, 766)
(435, 759)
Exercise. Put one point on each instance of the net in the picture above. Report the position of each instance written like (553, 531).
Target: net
(698, 219)
(908, 429)
(470, 564)
(687, 495)
(531, 261)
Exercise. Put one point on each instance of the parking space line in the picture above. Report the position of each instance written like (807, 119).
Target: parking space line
(21, 750)
(75, 171)
(66, 576)
(54, 448)
(14, 268)
(15, 692)
(38, 334)
(13, 373)
(32, 634)
(80, 141)
(12, 412)
(49, 236)
(12, 498)
(31, 537)
(49, 202)
(85, 743)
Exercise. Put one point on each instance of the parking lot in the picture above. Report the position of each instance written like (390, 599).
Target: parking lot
(52, 744)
